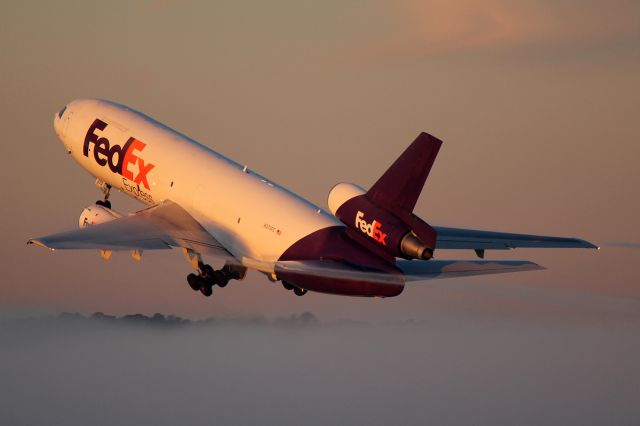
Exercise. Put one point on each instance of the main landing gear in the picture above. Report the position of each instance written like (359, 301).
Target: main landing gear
(208, 277)
(106, 190)
(296, 290)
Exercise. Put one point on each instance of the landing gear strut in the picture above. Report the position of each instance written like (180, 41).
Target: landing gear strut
(208, 277)
(106, 190)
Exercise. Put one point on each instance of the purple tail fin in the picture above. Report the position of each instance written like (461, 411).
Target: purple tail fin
(400, 186)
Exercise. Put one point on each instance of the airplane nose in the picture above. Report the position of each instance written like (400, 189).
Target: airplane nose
(61, 127)
(56, 123)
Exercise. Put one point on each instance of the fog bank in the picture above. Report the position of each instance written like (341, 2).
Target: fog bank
(70, 370)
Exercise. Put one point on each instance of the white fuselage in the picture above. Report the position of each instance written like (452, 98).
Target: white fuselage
(251, 216)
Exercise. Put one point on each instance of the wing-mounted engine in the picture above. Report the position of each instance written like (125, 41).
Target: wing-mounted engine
(398, 234)
(95, 214)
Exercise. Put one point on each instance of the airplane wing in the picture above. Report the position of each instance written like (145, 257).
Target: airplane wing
(412, 270)
(456, 238)
(162, 226)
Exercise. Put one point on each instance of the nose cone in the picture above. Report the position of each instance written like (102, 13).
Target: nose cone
(57, 125)
(60, 124)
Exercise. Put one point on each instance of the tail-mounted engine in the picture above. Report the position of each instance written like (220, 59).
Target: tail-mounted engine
(398, 233)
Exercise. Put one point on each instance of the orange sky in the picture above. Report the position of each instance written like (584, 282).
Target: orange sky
(537, 104)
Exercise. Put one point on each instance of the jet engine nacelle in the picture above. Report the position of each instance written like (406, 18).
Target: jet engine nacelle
(400, 234)
(95, 214)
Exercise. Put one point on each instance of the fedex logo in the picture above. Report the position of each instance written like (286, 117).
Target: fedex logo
(121, 159)
(371, 229)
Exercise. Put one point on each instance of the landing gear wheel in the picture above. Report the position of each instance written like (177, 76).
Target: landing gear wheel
(206, 289)
(299, 291)
(193, 281)
(207, 271)
(104, 203)
(287, 286)
(231, 272)
(220, 278)
(208, 277)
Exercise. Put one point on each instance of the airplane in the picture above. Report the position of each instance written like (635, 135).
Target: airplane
(370, 243)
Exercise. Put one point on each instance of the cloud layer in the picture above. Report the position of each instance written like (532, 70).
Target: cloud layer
(158, 370)
(440, 26)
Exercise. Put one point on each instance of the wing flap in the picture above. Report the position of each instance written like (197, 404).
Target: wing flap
(457, 238)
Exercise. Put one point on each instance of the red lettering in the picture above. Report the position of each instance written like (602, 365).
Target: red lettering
(383, 237)
(378, 235)
(130, 158)
(142, 173)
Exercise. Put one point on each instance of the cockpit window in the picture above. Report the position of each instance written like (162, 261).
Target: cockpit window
(61, 112)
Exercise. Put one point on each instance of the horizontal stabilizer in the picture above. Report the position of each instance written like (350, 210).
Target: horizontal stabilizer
(457, 238)
(436, 269)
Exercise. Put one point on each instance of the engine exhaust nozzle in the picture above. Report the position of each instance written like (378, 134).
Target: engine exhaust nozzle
(413, 248)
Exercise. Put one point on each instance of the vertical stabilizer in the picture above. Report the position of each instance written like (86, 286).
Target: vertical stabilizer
(400, 186)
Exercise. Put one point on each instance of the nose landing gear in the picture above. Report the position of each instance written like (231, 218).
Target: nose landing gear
(106, 190)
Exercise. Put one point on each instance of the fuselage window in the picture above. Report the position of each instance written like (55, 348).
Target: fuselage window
(61, 112)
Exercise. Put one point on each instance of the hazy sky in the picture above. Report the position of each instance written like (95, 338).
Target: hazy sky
(537, 103)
